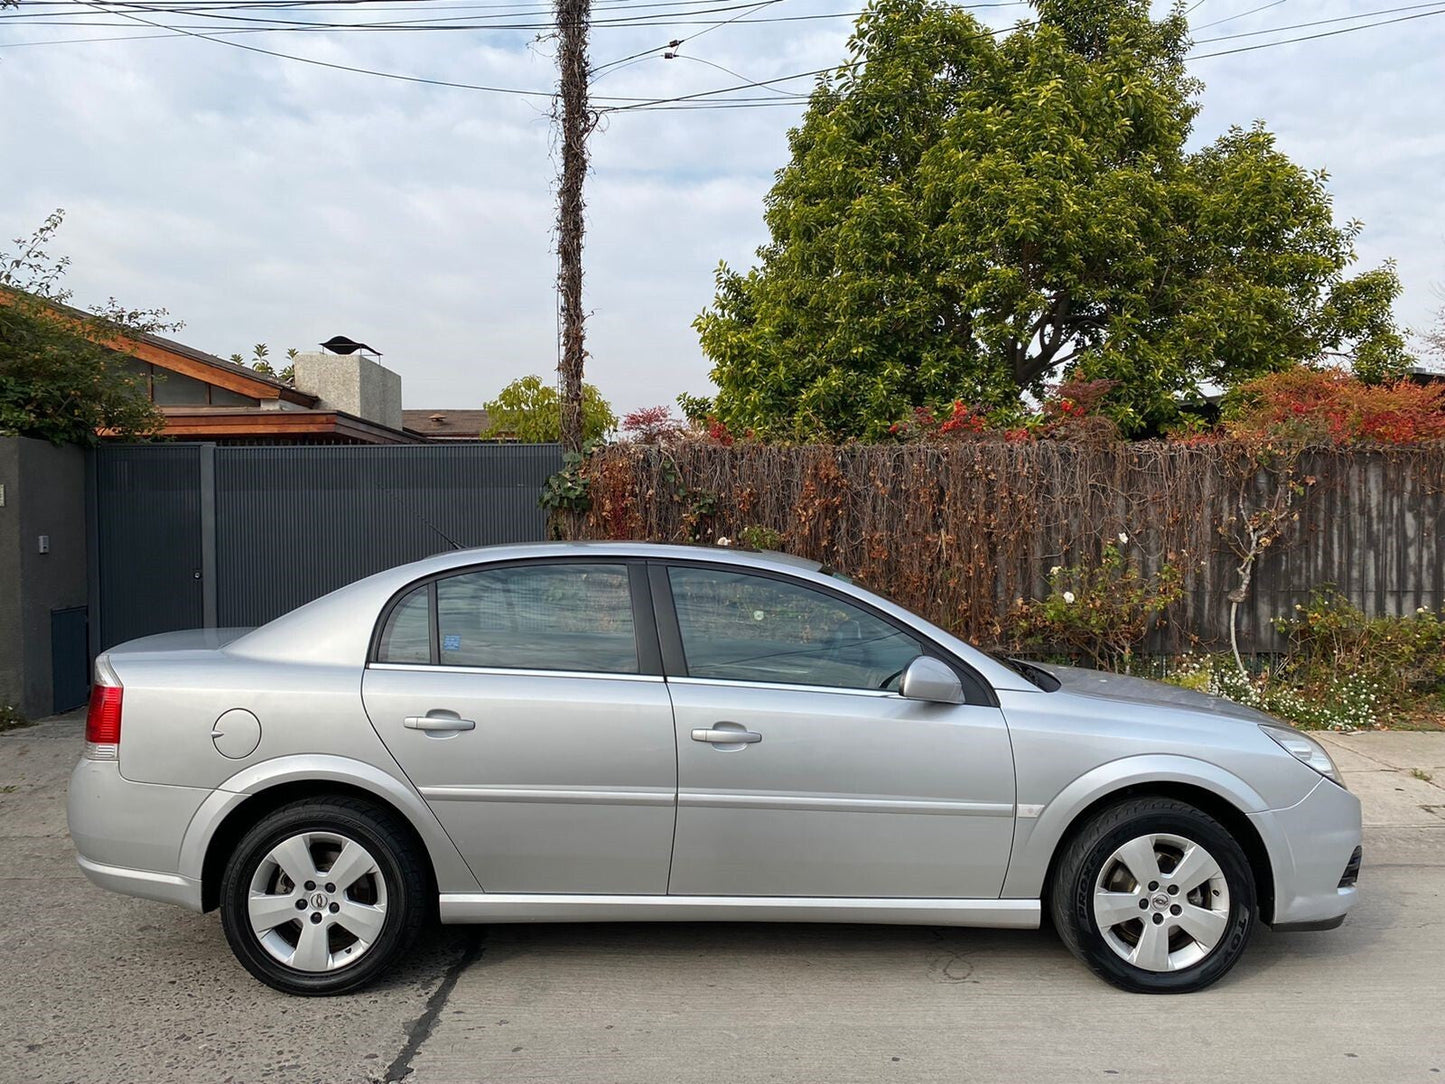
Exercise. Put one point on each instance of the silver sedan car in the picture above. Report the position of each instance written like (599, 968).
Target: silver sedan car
(631, 732)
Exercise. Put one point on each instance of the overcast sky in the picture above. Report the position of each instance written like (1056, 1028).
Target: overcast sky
(260, 199)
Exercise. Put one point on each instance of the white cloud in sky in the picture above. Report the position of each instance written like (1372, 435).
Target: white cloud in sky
(260, 199)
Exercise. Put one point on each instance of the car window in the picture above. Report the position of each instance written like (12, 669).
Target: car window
(407, 636)
(742, 627)
(562, 616)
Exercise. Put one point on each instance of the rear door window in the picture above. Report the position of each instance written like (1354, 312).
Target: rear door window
(544, 616)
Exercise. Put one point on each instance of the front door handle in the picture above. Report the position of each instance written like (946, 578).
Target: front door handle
(438, 722)
(716, 736)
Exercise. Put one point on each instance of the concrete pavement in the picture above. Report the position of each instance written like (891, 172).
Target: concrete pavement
(97, 987)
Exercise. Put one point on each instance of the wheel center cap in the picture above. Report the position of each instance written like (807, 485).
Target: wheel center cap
(319, 900)
(1161, 900)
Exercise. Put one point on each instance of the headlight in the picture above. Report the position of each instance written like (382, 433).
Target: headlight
(1304, 749)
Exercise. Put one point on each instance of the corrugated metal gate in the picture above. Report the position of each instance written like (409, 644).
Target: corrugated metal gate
(200, 535)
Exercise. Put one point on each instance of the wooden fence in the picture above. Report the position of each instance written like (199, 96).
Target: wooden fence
(960, 532)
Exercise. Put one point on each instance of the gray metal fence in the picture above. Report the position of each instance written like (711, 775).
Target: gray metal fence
(192, 535)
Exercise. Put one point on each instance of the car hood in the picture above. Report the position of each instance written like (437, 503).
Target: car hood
(1132, 690)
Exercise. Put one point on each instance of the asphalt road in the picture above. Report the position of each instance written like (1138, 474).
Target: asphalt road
(97, 987)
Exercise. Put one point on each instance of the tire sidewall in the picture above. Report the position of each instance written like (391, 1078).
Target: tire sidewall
(248, 855)
(1190, 825)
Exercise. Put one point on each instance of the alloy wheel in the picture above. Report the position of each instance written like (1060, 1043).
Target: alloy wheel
(317, 902)
(1161, 902)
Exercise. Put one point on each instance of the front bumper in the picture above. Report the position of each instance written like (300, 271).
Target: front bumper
(128, 835)
(1310, 845)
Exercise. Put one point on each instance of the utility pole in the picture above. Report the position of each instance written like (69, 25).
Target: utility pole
(576, 122)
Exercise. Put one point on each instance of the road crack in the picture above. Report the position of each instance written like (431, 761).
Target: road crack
(421, 1029)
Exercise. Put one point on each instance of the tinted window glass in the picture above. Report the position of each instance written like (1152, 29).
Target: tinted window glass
(177, 389)
(539, 617)
(407, 636)
(752, 628)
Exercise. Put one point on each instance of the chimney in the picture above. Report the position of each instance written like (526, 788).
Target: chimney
(345, 375)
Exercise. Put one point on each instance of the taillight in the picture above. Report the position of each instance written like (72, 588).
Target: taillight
(102, 720)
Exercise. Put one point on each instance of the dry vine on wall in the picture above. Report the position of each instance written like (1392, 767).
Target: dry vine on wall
(962, 533)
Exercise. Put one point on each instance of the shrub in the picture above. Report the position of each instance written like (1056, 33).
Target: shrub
(1330, 406)
(1100, 612)
(1332, 641)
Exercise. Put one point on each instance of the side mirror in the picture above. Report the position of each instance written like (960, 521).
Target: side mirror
(929, 679)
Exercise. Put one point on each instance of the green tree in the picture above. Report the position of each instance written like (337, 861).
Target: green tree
(529, 410)
(972, 216)
(63, 375)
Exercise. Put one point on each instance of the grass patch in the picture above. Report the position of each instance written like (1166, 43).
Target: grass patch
(11, 719)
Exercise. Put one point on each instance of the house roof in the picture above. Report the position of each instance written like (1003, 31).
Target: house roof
(446, 424)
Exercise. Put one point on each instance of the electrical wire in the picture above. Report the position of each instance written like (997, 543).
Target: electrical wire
(1316, 22)
(1315, 37)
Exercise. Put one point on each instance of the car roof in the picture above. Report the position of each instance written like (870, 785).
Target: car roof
(658, 550)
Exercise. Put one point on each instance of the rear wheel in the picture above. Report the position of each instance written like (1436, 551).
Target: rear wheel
(321, 896)
(1155, 896)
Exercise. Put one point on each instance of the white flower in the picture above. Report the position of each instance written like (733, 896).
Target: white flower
(1055, 570)
(723, 540)
(1069, 597)
(1123, 539)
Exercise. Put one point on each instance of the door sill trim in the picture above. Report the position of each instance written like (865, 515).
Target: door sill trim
(496, 907)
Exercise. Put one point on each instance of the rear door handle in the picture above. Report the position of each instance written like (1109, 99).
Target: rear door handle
(438, 723)
(714, 736)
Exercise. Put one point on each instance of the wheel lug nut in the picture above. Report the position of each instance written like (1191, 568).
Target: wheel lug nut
(1158, 918)
(1143, 905)
(1153, 886)
(330, 887)
(336, 907)
(310, 886)
(1175, 909)
(316, 916)
(300, 905)
(1173, 890)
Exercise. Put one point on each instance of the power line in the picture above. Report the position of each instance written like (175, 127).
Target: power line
(1313, 37)
(359, 71)
(846, 65)
(1317, 22)
(1241, 15)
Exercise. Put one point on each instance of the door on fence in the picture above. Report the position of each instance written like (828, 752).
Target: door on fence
(69, 659)
(148, 534)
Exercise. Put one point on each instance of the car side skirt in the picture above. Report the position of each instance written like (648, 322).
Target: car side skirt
(496, 907)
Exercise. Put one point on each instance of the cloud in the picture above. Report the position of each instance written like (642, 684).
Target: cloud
(265, 200)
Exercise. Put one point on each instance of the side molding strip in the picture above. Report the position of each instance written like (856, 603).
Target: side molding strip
(495, 907)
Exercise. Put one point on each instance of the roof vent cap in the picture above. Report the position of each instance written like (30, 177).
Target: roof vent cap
(340, 344)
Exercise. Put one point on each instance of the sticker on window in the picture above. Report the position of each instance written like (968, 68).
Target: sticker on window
(451, 643)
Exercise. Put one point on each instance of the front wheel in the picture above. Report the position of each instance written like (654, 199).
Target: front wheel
(1155, 896)
(320, 896)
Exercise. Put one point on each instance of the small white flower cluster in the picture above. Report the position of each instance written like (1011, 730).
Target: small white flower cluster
(723, 540)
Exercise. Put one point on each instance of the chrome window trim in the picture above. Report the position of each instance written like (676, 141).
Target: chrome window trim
(502, 671)
(738, 683)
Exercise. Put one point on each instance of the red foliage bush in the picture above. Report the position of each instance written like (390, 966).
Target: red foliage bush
(1330, 406)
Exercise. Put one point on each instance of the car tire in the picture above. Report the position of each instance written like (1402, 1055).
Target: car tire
(1170, 927)
(320, 896)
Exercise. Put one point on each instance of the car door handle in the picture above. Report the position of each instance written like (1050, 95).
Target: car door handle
(726, 737)
(437, 723)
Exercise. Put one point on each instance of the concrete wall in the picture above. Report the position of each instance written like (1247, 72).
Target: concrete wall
(352, 384)
(44, 495)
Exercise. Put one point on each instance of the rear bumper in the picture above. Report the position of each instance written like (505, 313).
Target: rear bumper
(128, 835)
(1310, 845)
